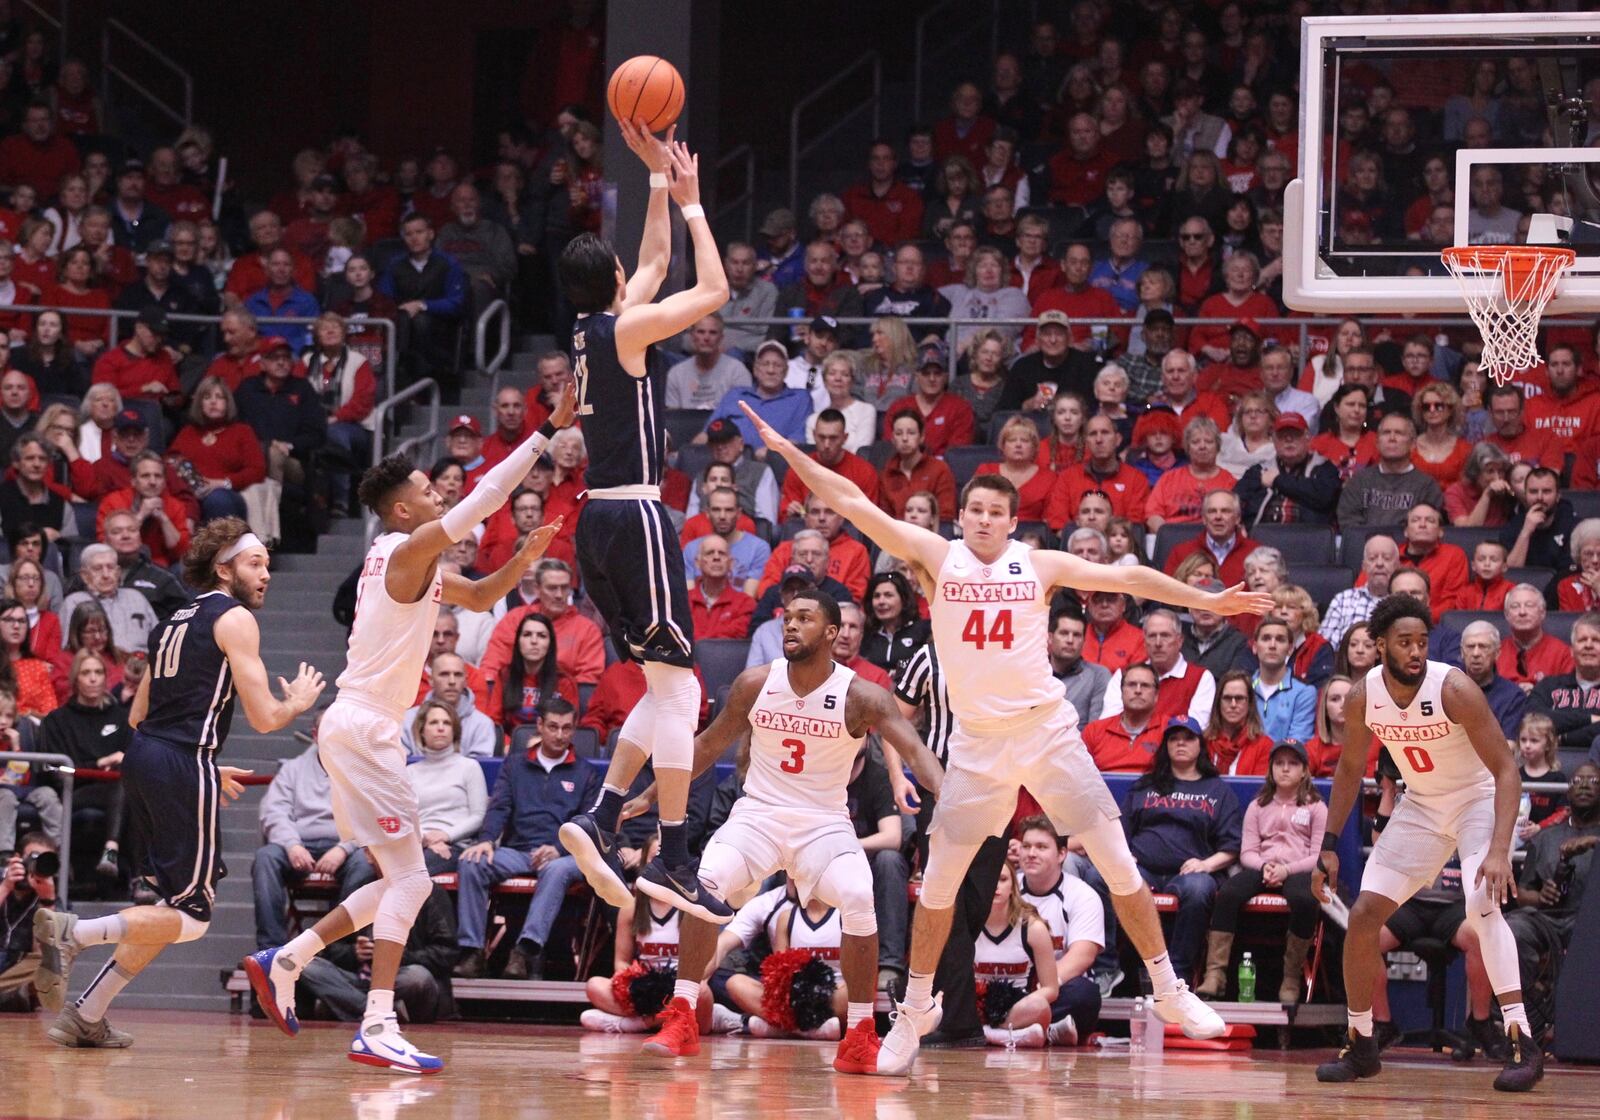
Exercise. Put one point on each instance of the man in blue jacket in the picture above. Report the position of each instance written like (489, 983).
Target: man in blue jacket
(538, 791)
(431, 289)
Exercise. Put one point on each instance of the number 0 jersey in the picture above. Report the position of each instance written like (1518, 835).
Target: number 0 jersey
(1434, 754)
(801, 751)
(191, 683)
(991, 625)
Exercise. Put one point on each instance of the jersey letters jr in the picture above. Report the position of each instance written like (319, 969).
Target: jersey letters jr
(389, 641)
(801, 752)
(991, 625)
(625, 436)
(191, 682)
(1434, 754)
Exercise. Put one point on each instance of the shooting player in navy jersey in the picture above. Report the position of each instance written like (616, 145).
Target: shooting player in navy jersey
(630, 558)
(201, 658)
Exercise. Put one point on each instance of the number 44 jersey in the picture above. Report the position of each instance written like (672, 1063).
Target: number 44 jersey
(191, 683)
(1434, 754)
(801, 750)
(991, 624)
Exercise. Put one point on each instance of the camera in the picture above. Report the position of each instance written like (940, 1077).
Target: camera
(45, 865)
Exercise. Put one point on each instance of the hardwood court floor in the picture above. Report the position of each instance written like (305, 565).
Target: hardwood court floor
(218, 1066)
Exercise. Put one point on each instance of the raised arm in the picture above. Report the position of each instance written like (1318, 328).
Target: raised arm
(655, 247)
(483, 594)
(239, 638)
(1464, 703)
(641, 324)
(898, 538)
(1062, 569)
(1346, 784)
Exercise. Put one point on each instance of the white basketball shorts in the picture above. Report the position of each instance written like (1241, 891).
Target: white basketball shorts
(759, 838)
(373, 801)
(1419, 840)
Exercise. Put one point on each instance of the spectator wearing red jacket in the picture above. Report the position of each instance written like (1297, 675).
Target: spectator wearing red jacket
(947, 420)
(1127, 742)
(1125, 487)
(510, 425)
(223, 450)
(114, 265)
(911, 470)
(344, 382)
(375, 205)
(891, 210)
(719, 609)
(242, 346)
(966, 132)
(620, 689)
(1078, 298)
(165, 188)
(249, 272)
(1033, 269)
(828, 436)
(16, 325)
(580, 647)
(141, 368)
(1223, 539)
(164, 523)
(1238, 301)
(1110, 639)
(75, 287)
(307, 234)
(113, 469)
(36, 156)
(1078, 171)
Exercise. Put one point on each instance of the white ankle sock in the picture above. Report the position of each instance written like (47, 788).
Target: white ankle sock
(919, 990)
(295, 955)
(380, 1006)
(1361, 1022)
(99, 931)
(102, 990)
(855, 1012)
(1515, 1015)
(1162, 978)
(688, 990)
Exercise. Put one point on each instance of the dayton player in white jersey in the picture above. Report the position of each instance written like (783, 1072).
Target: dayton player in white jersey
(1462, 793)
(990, 606)
(374, 803)
(807, 718)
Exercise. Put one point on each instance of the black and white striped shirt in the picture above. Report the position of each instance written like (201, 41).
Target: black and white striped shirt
(921, 685)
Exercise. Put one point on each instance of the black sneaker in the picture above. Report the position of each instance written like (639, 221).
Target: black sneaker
(1385, 1034)
(1358, 1059)
(941, 1039)
(1524, 1067)
(1485, 1037)
(596, 853)
(681, 888)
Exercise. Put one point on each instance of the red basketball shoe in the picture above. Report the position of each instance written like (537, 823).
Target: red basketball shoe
(858, 1049)
(679, 1036)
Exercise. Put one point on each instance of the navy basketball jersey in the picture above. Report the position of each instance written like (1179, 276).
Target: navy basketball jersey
(621, 414)
(191, 683)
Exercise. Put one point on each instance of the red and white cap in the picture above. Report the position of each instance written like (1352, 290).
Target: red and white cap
(466, 421)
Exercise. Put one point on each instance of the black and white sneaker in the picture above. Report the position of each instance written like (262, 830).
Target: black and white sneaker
(596, 853)
(683, 890)
(1357, 1060)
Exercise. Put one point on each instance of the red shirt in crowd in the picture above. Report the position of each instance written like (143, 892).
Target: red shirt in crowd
(1527, 447)
(700, 525)
(1127, 490)
(131, 372)
(1114, 747)
(249, 274)
(229, 451)
(1571, 419)
(41, 166)
(1480, 595)
(851, 466)
(1033, 496)
(620, 689)
(892, 217)
(929, 474)
(848, 563)
(1079, 181)
(1177, 494)
(948, 141)
(1239, 753)
(1121, 646)
(182, 202)
(948, 424)
(236, 371)
(150, 532)
(728, 617)
(1087, 302)
(1232, 565)
(1548, 657)
(1572, 594)
(82, 328)
(378, 209)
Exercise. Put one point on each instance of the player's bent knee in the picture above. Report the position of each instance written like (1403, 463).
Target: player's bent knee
(402, 900)
(190, 929)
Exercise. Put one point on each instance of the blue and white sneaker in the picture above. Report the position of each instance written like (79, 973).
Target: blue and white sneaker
(275, 993)
(596, 853)
(383, 1045)
(682, 888)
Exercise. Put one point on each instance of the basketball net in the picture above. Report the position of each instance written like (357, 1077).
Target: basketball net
(1506, 289)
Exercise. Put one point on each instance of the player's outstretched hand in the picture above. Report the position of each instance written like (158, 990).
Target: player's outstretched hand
(770, 436)
(231, 786)
(655, 154)
(684, 181)
(1326, 871)
(1237, 600)
(566, 409)
(302, 692)
(539, 540)
(1494, 874)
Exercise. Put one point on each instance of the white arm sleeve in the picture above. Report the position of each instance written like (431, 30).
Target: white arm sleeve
(495, 487)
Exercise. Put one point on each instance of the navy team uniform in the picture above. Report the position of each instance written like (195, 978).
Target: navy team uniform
(169, 771)
(628, 552)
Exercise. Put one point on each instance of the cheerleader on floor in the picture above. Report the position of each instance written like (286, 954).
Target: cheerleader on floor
(1014, 943)
(814, 929)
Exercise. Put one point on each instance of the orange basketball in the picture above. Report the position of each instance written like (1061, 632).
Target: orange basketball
(646, 90)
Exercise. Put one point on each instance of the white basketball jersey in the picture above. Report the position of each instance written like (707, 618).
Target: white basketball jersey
(658, 945)
(821, 939)
(1434, 754)
(991, 626)
(389, 641)
(758, 915)
(1004, 958)
(1071, 911)
(801, 752)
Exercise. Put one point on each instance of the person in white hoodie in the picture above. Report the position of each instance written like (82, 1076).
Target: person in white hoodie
(479, 737)
(451, 793)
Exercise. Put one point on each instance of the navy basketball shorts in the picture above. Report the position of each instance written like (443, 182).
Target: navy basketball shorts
(632, 567)
(173, 795)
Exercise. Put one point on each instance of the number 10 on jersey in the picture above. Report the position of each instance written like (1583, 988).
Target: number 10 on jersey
(980, 632)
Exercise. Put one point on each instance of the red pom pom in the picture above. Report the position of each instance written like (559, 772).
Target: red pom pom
(621, 984)
(777, 977)
(982, 987)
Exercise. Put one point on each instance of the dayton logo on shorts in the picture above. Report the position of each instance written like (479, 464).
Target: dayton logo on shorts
(1402, 733)
(391, 825)
(1020, 592)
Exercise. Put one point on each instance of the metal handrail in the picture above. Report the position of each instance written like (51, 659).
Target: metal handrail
(870, 59)
(501, 310)
(964, 35)
(65, 767)
(745, 199)
(112, 314)
(109, 70)
(380, 414)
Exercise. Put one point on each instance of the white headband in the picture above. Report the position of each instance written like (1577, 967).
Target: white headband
(249, 540)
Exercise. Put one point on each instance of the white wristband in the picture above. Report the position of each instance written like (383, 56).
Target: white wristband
(657, 180)
(693, 210)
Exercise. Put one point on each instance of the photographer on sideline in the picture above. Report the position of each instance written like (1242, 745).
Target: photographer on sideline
(27, 883)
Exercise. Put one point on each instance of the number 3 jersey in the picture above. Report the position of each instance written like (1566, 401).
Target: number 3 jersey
(801, 751)
(1434, 754)
(991, 625)
(191, 683)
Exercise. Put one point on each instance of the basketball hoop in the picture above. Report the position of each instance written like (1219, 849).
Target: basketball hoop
(1506, 288)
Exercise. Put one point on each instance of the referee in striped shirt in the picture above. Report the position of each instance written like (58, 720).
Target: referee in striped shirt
(923, 700)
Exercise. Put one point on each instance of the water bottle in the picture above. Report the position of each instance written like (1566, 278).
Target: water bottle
(1247, 980)
(1136, 1027)
(1155, 1031)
